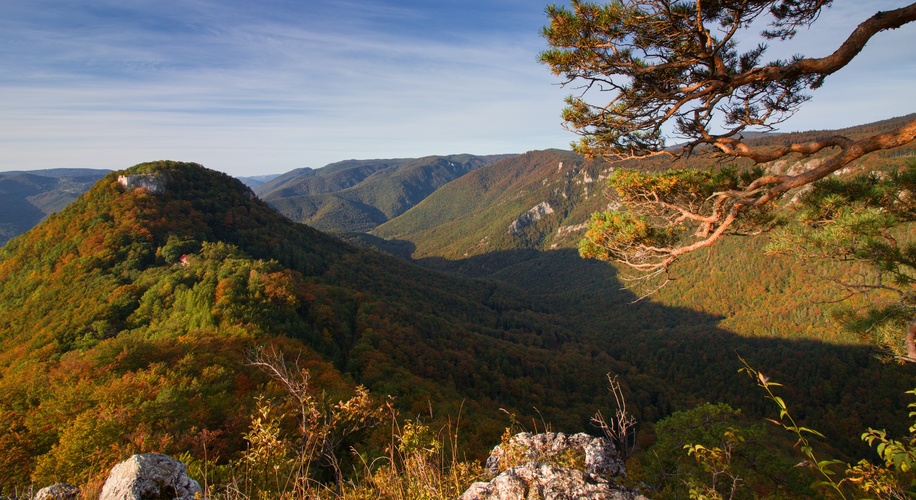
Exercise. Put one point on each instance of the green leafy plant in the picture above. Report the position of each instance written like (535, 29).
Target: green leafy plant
(864, 222)
(717, 462)
(885, 480)
(713, 451)
(824, 468)
(664, 215)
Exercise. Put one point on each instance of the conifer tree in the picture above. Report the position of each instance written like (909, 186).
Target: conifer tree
(650, 68)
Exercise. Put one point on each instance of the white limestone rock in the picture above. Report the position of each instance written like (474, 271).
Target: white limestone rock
(59, 491)
(553, 466)
(547, 482)
(150, 476)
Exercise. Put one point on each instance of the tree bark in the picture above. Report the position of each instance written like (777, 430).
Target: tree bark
(911, 341)
(842, 56)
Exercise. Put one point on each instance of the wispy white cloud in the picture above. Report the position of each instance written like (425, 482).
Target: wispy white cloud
(256, 87)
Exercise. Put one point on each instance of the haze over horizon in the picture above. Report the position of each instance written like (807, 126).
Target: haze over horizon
(253, 89)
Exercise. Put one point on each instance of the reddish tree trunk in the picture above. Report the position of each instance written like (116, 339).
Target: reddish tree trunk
(911, 341)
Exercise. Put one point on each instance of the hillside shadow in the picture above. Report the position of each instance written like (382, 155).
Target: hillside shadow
(674, 358)
(402, 249)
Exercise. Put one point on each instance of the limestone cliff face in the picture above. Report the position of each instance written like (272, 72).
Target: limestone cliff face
(148, 182)
(535, 213)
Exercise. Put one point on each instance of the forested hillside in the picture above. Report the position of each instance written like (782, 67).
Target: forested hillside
(497, 208)
(473, 215)
(733, 287)
(139, 307)
(357, 195)
(135, 308)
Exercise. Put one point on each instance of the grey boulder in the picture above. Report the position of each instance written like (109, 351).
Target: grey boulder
(150, 476)
(59, 491)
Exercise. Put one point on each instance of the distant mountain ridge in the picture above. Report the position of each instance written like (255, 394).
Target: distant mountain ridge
(351, 195)
(358, 195)
(541, 199)
(60, 172)
(27, 197)
(256, 180)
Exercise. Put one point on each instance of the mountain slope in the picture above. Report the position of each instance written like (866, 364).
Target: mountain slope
(126, 318)
(28, 197)
(134, 309)
(518, 222)
(542, 199)
(513, 203)
(357, 195)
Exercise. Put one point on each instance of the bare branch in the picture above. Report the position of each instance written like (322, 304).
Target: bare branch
(621, 430)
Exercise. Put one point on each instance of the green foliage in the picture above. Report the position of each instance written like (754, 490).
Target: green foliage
(731, 458)
(358, 195)
(133, 310)
(676, 350)
(611, 235)
(666, 214)
(654, 217)
(176, 247)
(677, 186)
(885, 481)
(662, 63)
(865, 221)
(731, 467)
(873, 481)
(888, 480)
(824, 469)
(268, 461)
(717, 463)
(681, 66)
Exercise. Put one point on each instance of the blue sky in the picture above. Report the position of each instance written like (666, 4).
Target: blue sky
(265, 86)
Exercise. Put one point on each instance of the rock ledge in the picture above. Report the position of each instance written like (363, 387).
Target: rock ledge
(553, 466)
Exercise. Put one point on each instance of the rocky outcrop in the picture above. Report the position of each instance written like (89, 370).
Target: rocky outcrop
(59, 491)
(534, 214)
(574, 228)
(592, 454)
(149, 476)
(552, 466)
(548, 482)
(148, 182)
